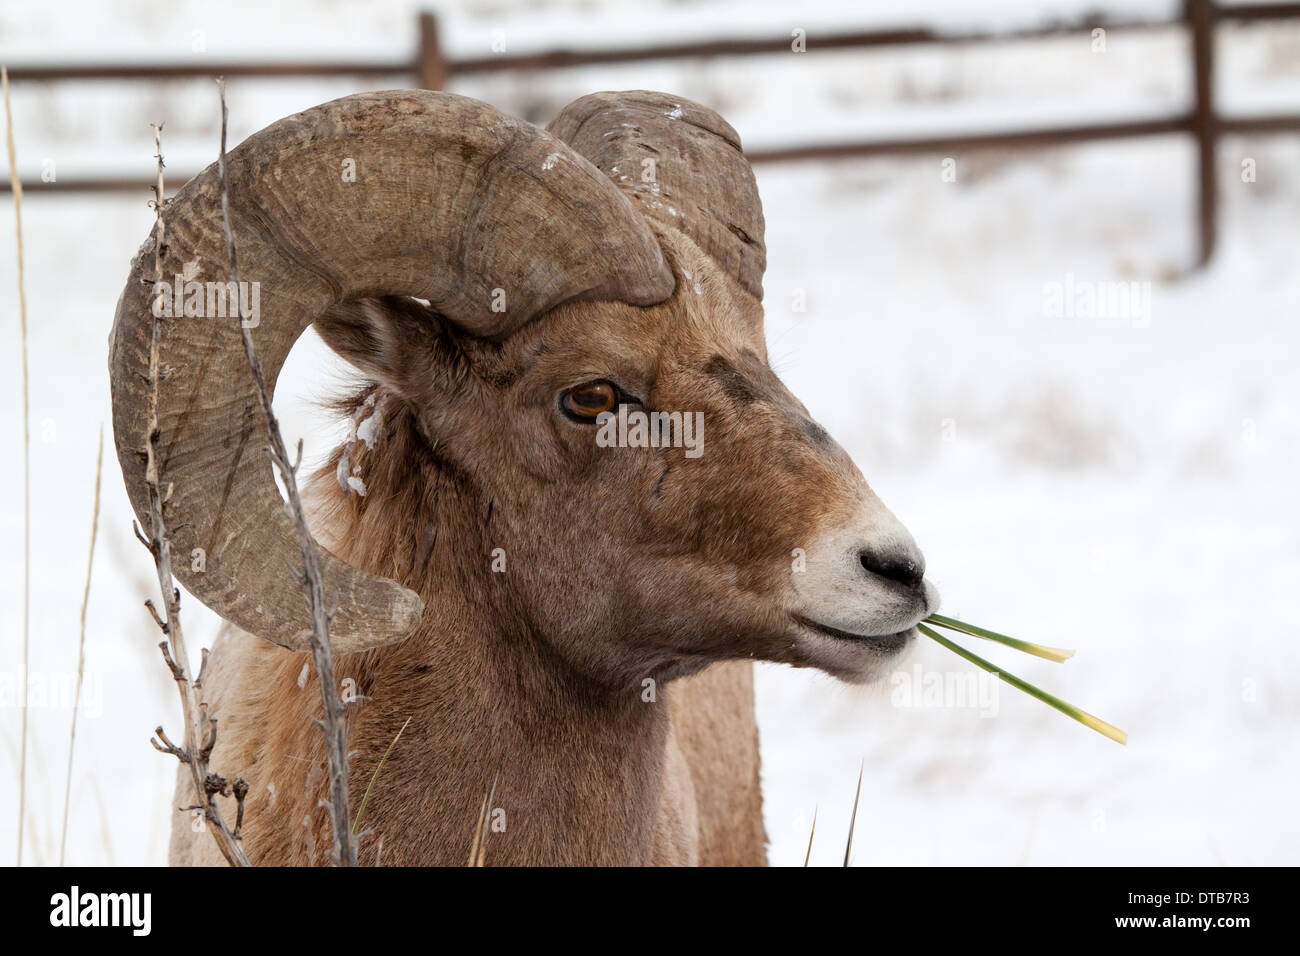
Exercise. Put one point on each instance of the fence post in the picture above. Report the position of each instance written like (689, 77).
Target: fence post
(431, 68)
(1205, 124)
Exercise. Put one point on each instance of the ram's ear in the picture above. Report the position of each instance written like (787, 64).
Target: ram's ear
(398, 342)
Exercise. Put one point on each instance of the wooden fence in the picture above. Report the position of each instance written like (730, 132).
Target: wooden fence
(431, 69)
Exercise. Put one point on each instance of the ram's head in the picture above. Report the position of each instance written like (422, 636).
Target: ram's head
(610, 266)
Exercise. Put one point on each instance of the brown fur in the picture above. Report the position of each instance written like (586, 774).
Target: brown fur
(623, 565)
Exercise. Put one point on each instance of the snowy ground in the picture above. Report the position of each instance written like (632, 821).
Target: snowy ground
(1124, 485)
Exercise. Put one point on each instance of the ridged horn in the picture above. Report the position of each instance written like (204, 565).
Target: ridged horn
(682, 164)
(410, 193)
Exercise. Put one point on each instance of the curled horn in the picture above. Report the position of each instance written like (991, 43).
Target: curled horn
(492, 220)
(682, 164)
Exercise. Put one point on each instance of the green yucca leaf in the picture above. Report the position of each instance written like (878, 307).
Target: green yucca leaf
(1083, 717)
(1056, 654)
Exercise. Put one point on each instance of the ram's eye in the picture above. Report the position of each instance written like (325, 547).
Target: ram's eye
(586, 401)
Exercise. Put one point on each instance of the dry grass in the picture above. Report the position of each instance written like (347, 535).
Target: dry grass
(848, 847)
(81, 646)
(478, 849)
(356, 823)
(811, 833)
(17, 186)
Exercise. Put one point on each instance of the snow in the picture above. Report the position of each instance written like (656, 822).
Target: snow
(1123, 485)
(366, 431)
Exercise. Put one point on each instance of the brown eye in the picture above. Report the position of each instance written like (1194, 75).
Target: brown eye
(587, 401)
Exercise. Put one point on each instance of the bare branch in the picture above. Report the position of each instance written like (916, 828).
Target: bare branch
(344, 852)
(178, 675)
(241, 792)
(211, 742)
(203, 667)
(163, 744)
(162, 625)
(194, 754)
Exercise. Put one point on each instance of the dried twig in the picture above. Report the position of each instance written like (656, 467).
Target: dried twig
(16, 185)
(344, 851)
(200, 731)
(81, 645)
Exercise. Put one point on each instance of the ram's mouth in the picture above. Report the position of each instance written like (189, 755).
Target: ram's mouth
(887, 643)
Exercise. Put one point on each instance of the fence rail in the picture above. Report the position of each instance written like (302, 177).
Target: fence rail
(431, 69)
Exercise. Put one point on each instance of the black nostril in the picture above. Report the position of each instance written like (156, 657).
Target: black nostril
(895, 567)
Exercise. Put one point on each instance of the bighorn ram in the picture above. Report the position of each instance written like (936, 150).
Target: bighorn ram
(614, 259)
